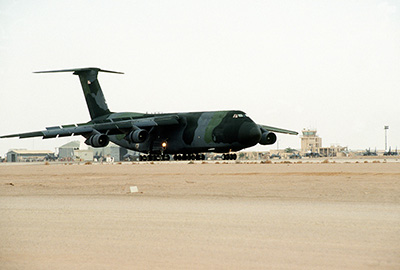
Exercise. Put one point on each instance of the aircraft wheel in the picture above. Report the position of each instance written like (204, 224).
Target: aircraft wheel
(234, 156)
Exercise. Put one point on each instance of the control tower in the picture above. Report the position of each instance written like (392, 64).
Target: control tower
(310, 141)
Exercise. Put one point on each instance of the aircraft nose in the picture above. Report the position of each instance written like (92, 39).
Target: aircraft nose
(249, 133)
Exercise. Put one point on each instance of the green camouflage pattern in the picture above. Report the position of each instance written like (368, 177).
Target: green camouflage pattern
(171, 133)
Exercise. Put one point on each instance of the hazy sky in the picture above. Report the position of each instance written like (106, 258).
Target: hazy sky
(329, 65)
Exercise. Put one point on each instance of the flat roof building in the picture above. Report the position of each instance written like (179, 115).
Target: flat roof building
(66, 151)
(23, 155)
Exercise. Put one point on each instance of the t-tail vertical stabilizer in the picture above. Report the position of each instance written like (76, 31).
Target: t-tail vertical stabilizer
(94, 96)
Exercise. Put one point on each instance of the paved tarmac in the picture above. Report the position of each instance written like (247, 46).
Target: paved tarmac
(200, 216)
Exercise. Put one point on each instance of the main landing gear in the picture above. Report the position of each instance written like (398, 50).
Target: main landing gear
(154, 157)
(190, 157)
(164, 157)
(157, 157)
(229, 157)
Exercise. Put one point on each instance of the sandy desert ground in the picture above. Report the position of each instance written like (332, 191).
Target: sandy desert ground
(200, 216)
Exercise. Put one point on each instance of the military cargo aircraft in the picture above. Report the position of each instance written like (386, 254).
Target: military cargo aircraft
(186, 136)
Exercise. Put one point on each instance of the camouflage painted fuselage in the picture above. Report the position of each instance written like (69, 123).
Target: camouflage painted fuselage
(172, 133)
(194, 132)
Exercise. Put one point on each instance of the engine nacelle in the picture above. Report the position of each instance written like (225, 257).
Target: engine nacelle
(267, 138)
(137, 136)
(98, 140)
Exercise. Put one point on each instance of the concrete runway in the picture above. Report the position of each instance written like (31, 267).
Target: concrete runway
(200, 216)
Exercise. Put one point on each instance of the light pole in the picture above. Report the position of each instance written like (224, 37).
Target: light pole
(386, 128)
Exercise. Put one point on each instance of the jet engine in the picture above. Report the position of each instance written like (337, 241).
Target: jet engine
(267, 138)
(98, 140)
(138, 135)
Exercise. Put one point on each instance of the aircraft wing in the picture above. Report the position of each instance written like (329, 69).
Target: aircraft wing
(279, 130)
(107, 127)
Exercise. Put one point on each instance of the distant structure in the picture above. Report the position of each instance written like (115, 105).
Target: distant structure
(22, 155)
(73, 151)
(110, 151)
(386, 129)
(312, 143)
(67, 151)
(84, 155)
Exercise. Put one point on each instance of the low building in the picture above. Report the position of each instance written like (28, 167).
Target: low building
(23, 155)
(113, 151)
(74, 151)
(333, 151)
(83, 155)
(66, 151)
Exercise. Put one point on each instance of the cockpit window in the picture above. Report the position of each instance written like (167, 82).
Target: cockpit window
(238, 115)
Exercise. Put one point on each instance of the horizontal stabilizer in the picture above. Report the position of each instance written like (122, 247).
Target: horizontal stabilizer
(94, 96)
(77, 70)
